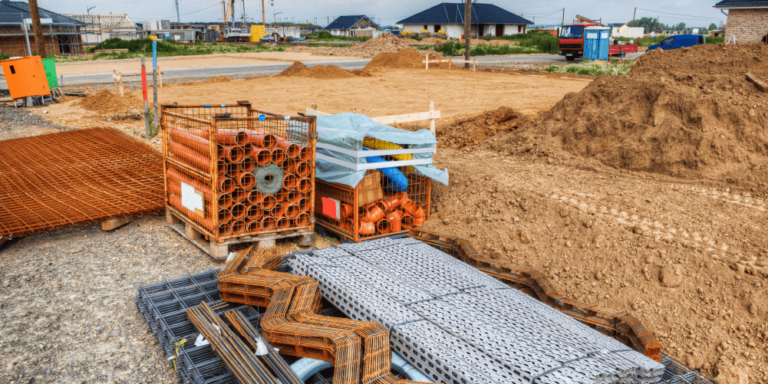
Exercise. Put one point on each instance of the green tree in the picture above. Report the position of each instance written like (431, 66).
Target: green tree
(649, 23)
(680, 27)
(712, 27)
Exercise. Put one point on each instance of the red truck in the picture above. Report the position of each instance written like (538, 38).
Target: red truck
(571, 44)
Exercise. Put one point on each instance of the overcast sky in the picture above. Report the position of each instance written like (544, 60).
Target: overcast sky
(691, 12)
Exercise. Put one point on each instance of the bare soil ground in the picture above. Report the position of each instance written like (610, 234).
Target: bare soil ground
(689, 257)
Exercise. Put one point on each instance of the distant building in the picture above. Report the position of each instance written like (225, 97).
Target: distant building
(360, 25)
(104, 27)
(486, 20)
(747, 19)
(624, 30)
(61, 34)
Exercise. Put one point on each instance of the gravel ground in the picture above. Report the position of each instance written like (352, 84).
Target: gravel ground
(67, 311)
(19, 122)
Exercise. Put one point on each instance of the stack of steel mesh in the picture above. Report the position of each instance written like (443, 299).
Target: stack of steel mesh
(164, 306)
(459, 325)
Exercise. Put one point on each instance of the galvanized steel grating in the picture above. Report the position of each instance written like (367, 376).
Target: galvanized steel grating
(76, 177)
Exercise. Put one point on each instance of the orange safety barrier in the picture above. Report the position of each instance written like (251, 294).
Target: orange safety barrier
(620, 325)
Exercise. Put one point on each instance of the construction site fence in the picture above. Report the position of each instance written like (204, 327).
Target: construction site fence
(388, 201)
(620, 325)
(233, 171)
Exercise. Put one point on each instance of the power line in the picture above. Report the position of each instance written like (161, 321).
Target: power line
(678, 14)
(199, 10)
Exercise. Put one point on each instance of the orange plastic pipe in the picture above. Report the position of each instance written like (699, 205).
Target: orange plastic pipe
(254, 197)
(189, 156)
(225, 200)
(289, 181)
(175, 201)
(253, 212)
(225, 229)
(278, 156)
(303, 169)
(384, 226)
(279, 210)
(254, 226)
(373, 213)
(239, 195)
(407, 221)
(233, 154)
(304, 185)
(302, 219)
(263, 139)
(221, 167)
(346, 210)
(367, 228)
(305, 153)
(238, 227)
(195, 142)
(291, 211)
(289, 165)
(226, 185)
(268, 202)
(391, 204)
(291, 150)
(225, 216)
(248, 149)
(293, 197)
(283, 223)
(267, 223)
(304, 205)
(232, 137)
(281, 196)
(262, 156)
(247, 165)
(245, 180)
(349, 225)
(238, 211)
(176, 175)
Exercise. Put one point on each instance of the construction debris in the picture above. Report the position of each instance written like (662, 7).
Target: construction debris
(494, 333)
(76, 177)
(475, 130)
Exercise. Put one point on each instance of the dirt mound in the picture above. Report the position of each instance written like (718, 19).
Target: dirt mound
(687, 112)
(298, 69)
(216, 79)
(387, 42)
(477, 129)
(107, 103)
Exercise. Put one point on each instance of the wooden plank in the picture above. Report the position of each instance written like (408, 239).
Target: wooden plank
(112, 224)
(759, 83)
(312, 112)
(409, 117)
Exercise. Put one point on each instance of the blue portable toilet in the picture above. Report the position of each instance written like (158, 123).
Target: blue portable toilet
(596, 43)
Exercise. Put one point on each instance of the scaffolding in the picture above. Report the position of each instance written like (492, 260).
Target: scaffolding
(60, 39)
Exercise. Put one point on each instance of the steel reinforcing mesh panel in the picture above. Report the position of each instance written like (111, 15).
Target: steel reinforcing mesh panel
(76, 177)
(460, 326)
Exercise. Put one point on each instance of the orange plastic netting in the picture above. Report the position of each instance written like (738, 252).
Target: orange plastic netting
(76, 177)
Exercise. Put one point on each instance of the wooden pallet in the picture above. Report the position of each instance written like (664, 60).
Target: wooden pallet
(220, 251)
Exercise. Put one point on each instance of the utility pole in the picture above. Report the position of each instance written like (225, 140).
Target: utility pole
(634, 17)
(467, 31)
(264, 16)
(34, 13)
(563, 22)
(178, 18)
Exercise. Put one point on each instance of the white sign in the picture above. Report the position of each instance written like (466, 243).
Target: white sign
(592, 35)
(192, 199)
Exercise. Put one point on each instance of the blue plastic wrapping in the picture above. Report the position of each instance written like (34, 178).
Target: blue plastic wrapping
(348, 130)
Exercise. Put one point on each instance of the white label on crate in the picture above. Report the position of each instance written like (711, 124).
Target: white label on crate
(192, 199)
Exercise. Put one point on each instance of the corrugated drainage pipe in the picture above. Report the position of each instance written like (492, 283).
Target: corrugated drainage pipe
(305, 368)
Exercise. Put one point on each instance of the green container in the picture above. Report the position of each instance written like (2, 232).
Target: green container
(50, 73)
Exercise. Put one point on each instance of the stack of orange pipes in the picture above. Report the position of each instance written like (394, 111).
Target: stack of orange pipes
(359, 350)
(389, 215)
(264, 181)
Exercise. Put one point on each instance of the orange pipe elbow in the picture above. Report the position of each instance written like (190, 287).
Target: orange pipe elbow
(407, 222)
(346, 210)
(367, 228)
(384, 226)
(374, 213)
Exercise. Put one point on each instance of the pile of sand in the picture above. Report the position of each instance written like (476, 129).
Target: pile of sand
(477, 129)
(298, 69)
(216, 79)
(403, 59)
(387, 42)
(686, 112)
(107, 103)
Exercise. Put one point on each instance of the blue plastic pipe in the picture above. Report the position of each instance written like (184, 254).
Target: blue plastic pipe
(398, 181)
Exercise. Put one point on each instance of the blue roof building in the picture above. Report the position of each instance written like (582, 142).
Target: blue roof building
(486, 20)
(358, 25)
(747, 20)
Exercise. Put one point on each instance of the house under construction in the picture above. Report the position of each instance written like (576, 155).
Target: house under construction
(61, 34)
(101, 27)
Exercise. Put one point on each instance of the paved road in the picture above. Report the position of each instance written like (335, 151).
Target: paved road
(262, 69)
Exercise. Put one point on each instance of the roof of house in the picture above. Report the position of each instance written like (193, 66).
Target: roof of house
(741, 4)
(12, 12)
(447, 13)
(347, 22)
(616, 25)
(105, 21)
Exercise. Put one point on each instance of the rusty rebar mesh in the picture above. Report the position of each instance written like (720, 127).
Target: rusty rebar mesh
(359, 350)
(622, 326)
(76, 177)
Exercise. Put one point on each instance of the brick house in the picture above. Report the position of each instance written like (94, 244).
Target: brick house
(62, 36)
(747, 19)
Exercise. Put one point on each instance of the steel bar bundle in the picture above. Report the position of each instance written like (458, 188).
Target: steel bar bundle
(621, 325)
(76, 177)
(459, 325)
(358, 350)
(244, 164)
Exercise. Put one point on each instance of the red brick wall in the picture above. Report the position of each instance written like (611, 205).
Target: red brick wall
(749, 25)
(17, 45)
